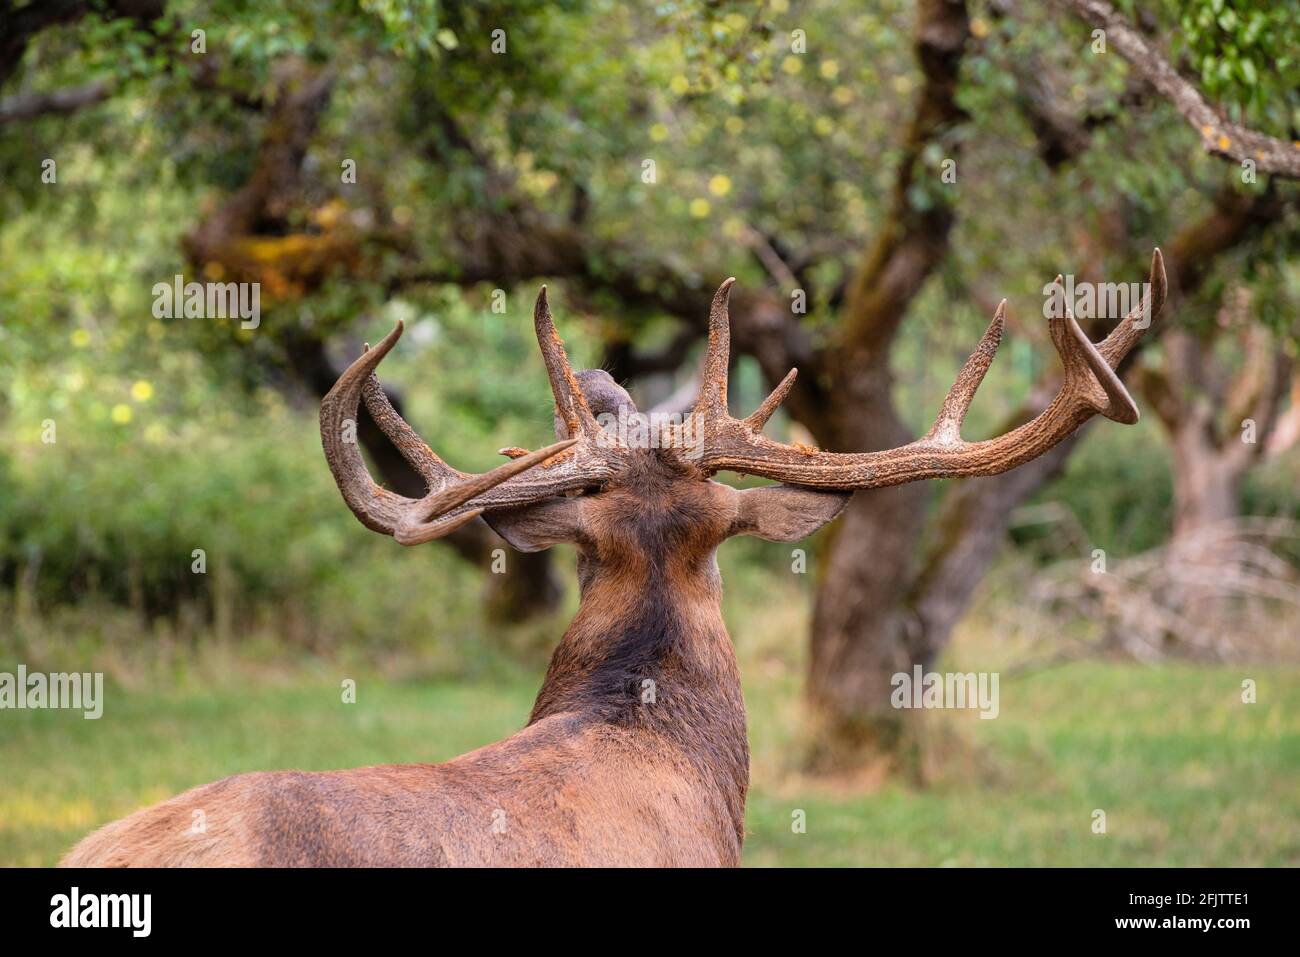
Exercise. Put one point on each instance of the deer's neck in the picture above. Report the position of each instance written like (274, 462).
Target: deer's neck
(657, 661)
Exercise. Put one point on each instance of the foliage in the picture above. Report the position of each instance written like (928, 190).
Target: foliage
(745, 131)
(1245, 54)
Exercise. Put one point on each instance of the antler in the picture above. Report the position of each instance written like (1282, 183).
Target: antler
(574, 463)
(1090, 387)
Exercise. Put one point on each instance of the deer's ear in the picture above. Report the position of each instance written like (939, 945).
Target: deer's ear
(532, 528)
(783, 513)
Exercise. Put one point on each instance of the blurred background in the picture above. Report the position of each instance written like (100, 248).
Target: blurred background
(878, 176)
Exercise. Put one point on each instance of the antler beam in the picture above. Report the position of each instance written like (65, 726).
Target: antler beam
(1090, 387)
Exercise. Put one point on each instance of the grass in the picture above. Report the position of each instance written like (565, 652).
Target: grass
(1185, 772)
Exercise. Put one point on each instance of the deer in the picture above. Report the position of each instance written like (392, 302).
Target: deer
(603, 774)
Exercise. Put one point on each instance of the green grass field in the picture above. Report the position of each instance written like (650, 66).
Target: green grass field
(1186, 773)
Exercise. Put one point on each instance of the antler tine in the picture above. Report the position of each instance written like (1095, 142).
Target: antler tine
(378, 509)
(1086, 371)
(947, 427)
(429, 519)
(758, 418)
(1121, 339)
(405, 439)
(570, 404)
(454, 497)
(713, 382)
(1090, 386)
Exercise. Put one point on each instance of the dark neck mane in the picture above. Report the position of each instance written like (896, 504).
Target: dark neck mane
(665, 668)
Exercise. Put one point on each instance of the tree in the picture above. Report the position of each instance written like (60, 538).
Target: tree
(847, 186)
(1219, 421)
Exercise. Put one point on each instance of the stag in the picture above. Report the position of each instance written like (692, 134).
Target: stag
(604, 773)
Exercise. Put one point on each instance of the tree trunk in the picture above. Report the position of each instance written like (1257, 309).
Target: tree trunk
(863, 631)
(862, 634)
(1207, 482)
(884, 605)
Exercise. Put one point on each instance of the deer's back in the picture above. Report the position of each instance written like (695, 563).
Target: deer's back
(562, 792)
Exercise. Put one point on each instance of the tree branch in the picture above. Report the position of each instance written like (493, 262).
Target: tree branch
(1218, 135)
(19, 26)
(1062, 137)
(1161, 395)
(27, 106)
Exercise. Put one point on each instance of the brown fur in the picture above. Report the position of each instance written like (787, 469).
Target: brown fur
(600, 776)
